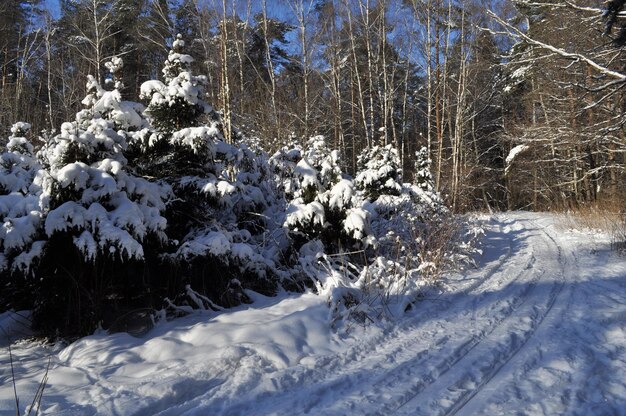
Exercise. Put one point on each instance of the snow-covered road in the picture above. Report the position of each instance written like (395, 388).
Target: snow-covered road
(539, 328)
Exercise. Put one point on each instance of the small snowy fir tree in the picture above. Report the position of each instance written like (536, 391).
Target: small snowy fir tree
(178, 148)
(283, 164)
(323, 205)
(177, 102)
(100, 216)
(429, 202)
(379, 172)
(178, 143)
(324, 160)
(126, 115)
(21, 210)
(423, 177)
(221, 191)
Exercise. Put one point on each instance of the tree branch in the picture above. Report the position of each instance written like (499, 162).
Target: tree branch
(619, 77)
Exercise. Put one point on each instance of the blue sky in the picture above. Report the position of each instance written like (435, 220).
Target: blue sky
(53, 6)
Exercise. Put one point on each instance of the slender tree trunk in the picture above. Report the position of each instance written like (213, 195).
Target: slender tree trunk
(225, 77)
(357, 76)
(270, 70)
(49, 34)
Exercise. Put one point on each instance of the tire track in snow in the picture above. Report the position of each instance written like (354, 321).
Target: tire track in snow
(520, 338)
(403, 369)
(453, 391)
(348, 379)
(335, 373)
(554, 294)
(451, 351)
(544, 366)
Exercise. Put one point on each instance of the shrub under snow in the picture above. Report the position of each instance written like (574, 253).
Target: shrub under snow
(403, 230)
(324, 204)
(147, 208)
(21, 209)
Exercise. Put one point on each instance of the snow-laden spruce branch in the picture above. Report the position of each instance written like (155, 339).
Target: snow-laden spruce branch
(618, 77)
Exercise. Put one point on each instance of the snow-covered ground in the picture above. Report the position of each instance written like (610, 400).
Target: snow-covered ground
(539, 328)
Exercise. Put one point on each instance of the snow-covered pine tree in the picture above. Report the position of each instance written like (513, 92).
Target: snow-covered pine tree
(178, 102)
(428, 202)
(127, 116)
(100, 219)
(283, 165)
(324, 160)
(379, 172)
(224, 250)
(220, 190)
(323, 206)
(423, 177)
(177, 147)
(21, 217)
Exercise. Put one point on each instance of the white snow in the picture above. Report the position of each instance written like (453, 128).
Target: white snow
(307, 174)
(16, 144)
(150, 87)
(214, 242)
(356, 224)
(513, 154)
(20, 127)
(340, 196)
(300, 214)
(197, 138)
(115, 64)
(537, 328)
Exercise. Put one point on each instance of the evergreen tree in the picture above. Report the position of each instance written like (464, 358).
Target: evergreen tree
(178, 102)
(99, 219)
(220, 190)
(379, 172)
(21, 210)
(423, 177)
(324, 205)
(179, 149)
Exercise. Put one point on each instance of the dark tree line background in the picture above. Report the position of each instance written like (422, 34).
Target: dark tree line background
(469, 79)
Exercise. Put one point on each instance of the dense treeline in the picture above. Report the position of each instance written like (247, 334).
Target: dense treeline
(131, 182)
(439, 73)
(136, 212)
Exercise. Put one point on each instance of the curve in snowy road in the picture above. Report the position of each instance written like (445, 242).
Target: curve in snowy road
(535, 330)
(539, 328)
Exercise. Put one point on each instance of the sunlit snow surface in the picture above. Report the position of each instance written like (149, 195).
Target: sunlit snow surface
(539, 328)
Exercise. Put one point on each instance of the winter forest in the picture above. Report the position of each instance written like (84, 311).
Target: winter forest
(161, 156)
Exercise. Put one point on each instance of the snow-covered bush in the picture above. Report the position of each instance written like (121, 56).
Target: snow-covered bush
(323, 205)
(21, 216)
(101, 220)
(410, 229)
(368, 242)
(379, 172)
(403, 215)
(217, 219)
